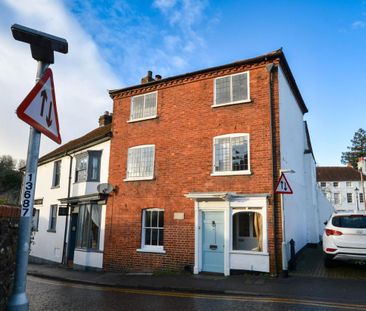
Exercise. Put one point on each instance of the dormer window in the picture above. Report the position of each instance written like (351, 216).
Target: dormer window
(143, 107)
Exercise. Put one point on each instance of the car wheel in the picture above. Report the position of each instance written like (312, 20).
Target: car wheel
(329, 262)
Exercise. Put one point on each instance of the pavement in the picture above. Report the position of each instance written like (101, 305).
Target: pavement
(300, 287)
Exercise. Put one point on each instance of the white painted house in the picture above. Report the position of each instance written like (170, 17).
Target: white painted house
(306, 209)
(342, 186)
(67, 180)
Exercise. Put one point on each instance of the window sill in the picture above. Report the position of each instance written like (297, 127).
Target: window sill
(249, 253)
(232, 103)
(139, 179)
(88, 250)
(51, 230)
(231, 173)
(55, 187)
(142, 119)
(149, 250)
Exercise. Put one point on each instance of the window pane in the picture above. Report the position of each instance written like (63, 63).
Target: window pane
(150, 105)
(243, 224)
(140, 162)
(223, 90)
(147, 219)
(154, 238)
(81, 168)
(349, 197)
(57, 170)
(239, 154)
(79, 232)
(94, 165)
(148, 237)
(240, 90)
(247, 231)
(87, 227)
(161, 219)
(161, 237)
(222, 155)
(137, 107)
(336, 198)
(95, 225)
(154, 219)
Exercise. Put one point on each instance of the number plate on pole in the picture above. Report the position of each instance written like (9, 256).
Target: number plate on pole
(27, 195)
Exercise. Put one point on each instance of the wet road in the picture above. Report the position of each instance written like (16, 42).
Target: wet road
(45, 294)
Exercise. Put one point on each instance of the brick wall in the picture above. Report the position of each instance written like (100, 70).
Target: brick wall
(9, 217)
(183, 137)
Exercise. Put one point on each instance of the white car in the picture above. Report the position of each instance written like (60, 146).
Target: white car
(344, 237)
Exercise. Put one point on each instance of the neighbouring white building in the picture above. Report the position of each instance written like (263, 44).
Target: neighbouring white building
(342, 186)
(69, 213)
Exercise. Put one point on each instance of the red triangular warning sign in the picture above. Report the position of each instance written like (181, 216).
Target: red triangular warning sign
(283, 186)
(39, 109)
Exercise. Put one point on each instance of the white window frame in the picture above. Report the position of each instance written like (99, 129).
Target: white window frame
(52, 225)
(348, 183)
(349, 196)
(323, 184)
(339, 196)
(55, 164)
(153, 164)
(360, 197)
(228, 173)
(143, 118)
(261, 212)
(150, 248)
(335, 184)
(231, 90)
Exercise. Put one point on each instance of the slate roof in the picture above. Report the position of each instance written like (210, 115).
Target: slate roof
(100, 133)
(337, 173)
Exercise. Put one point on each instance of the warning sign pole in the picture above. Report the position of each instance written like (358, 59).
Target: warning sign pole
(27, 198)
(42, 47)
(283, 187)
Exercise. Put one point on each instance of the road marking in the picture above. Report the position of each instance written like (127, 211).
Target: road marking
(306, 302)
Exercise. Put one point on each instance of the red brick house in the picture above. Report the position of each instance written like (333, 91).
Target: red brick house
(194, 161)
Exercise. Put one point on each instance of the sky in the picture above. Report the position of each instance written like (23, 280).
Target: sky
(113, 43)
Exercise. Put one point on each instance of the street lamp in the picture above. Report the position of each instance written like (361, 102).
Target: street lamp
(356, 191)
(284, 248)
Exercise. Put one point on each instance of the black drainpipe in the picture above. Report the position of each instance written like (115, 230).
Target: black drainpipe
(64, 251)
(270, 68)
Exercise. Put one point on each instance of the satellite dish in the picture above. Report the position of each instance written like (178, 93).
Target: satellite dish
(105, 188)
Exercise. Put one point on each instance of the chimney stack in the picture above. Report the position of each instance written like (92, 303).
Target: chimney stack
(105, 119)
(148, 78)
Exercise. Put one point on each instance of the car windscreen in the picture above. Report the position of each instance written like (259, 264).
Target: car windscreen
(349, 221)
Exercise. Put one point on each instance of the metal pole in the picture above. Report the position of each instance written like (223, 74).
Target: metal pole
(18, 300)
(284, 250)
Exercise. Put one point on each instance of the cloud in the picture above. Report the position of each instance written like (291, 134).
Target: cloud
(358, 24)
(164, 4)
(81, 77)
(134, 40)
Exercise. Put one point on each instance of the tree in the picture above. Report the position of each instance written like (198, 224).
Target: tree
(10, 178)
(357, 150)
